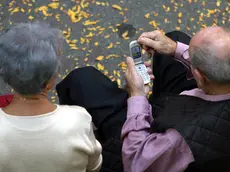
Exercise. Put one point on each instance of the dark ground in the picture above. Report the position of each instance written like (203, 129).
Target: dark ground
(98, 31)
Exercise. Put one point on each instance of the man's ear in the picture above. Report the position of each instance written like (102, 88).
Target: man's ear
(202, 79)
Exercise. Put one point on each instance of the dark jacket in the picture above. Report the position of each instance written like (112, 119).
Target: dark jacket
(205, 126)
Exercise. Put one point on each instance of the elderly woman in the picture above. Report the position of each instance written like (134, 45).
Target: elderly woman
(36, 135)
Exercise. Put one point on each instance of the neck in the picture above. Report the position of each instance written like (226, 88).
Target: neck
(217, 89)
(29, 105)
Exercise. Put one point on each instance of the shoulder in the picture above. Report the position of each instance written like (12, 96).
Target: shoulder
(73, 111)
(73, 117)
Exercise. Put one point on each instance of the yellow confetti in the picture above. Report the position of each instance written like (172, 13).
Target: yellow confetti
(180, 14)
(96, 43)
(117, 7)
(99, 58)
(110, 45)
(100, 66)
(53, 5)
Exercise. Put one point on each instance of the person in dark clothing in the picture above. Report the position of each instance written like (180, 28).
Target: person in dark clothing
(189, 105)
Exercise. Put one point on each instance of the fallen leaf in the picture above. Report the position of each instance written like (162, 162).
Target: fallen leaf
(96, 43)
(15, 10)
(44, 10)
(90, 35)
(99, 58)
(100, 66)
(53, 5)
(88, 22)
(117, 7)
(110, 45)
(22, 10)
(147, 15)
(125, 34)
(73, 16)
(153, 23)
(118, 82)
(107, 36)
(30, 17)
(84, 4)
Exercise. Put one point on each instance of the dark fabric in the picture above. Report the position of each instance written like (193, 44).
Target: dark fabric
(205, 125)
(107, 104)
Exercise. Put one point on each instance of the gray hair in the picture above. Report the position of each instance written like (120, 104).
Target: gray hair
(205, 59)
(30, 56)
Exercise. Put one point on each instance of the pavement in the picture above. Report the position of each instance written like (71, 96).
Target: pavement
(98, 32)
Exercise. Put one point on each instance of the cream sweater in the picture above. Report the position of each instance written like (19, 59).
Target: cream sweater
(60, 141)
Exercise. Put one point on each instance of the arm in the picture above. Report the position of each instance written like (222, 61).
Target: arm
(161, 152)
(95, 157)
(182, 55)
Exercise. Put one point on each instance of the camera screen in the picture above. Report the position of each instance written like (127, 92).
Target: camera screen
(136, 52)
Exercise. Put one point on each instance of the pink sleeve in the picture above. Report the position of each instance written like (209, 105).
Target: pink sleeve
(182, 55)
(143, 151)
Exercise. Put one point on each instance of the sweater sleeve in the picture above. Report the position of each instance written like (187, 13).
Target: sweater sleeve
(94, 159)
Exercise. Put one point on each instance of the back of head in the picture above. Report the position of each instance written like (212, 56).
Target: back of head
(210, 54)
(29, 56)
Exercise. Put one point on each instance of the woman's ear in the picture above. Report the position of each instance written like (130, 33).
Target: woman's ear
(50, 84)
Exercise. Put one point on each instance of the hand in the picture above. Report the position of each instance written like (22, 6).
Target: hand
(156, 41)
(135, 83)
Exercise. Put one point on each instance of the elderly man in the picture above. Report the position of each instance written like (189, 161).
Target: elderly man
(183, 127)
(189, 131)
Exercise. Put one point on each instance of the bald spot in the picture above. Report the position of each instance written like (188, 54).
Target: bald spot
(217, 38)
